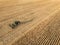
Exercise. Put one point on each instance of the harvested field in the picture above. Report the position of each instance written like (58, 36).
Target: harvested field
(39, 22)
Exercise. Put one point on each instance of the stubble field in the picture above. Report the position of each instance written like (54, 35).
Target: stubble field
(43, 29)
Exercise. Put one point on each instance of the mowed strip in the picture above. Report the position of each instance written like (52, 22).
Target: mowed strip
(36, 14)
(28, 15)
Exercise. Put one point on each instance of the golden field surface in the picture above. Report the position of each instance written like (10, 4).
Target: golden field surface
(40, 22)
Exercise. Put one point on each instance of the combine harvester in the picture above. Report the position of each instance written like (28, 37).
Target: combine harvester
(27, 22)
